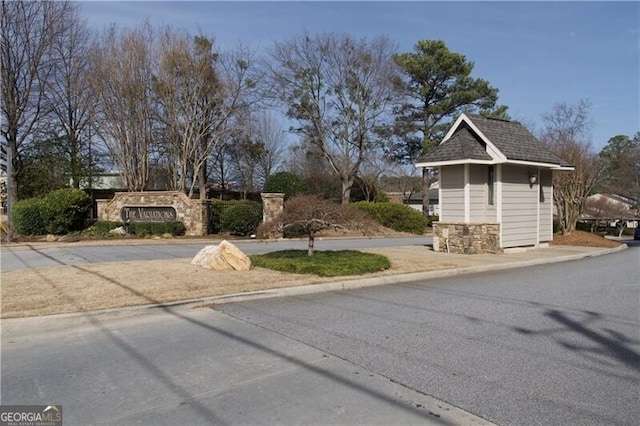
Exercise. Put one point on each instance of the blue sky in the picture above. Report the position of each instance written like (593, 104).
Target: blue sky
(535, 53)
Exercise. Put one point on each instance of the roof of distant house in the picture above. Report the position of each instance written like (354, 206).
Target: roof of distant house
(481, 140)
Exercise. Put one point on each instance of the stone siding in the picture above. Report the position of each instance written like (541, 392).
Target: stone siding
(192, 213)
(272, 205)
(466, 238)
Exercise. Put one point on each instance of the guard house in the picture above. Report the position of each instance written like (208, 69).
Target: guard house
(496, 187)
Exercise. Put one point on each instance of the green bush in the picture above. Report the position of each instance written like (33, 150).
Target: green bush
(398, 217)
(143, 229)
(59, 212)
(101, 228)
(65, 210)
(285, 182)
(28, 218)
(241, 217)
(432, 219)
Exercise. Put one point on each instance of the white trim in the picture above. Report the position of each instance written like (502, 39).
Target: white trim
(439, 192)
(537, 195)
(538, 164)
(435, 164)
(467, 194)
(491, 148)
(498, 189)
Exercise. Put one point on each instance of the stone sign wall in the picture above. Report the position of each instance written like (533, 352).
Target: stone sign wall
(466, 238)
(160, 206)
(272, 205)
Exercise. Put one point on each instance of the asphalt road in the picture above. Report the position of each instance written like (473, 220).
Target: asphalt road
(26, 256)
(549, 345)
(554, 344)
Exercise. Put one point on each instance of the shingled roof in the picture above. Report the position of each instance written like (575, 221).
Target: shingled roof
(471, 135)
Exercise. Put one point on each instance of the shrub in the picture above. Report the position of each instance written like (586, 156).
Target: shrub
(143, 229)
(432, 219)
(59, 212)
(102, 228)
(65, 210)
(395, 216)
(239, 217)
(28, 218)
(285, 182)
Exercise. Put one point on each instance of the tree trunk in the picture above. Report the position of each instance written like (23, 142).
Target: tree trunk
(426, 183)
(346, 190)
(202, 181)
(311, 243)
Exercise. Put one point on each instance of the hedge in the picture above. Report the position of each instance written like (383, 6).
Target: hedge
(28, 218)
(240, 217)
(58, 212)
(395, 216)
(141, 229)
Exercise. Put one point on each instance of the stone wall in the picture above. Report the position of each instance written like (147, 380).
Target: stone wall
(192, 213)
(466, 238)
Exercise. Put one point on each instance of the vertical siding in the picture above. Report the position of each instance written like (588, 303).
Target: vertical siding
(452, 194)
(519, 207)
(546, 206)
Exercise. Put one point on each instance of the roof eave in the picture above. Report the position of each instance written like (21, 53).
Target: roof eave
(434, 164)
(553, 166)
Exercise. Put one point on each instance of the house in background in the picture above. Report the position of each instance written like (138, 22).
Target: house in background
(414, 199)
(495, 186)
(611, 210)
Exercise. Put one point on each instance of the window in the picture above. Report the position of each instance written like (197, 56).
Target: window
(491, 180)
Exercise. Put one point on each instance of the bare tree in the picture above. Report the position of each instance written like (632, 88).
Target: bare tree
(602, 208)
(373, 168)
(70, 99)
(403, 179)
(272, 136)
(566, 133)
(126, 110)
(199, 92)
(312, 213)
(26, 33)
(339, 90)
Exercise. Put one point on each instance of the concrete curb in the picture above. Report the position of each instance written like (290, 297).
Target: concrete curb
(393, 279)
(337, 285)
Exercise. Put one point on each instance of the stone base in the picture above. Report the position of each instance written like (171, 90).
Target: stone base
(193, 213)
(466, 238)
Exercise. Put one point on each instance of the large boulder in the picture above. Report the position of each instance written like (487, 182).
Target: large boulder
(221, 257)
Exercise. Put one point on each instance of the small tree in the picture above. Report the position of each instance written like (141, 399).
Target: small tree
(311, 214)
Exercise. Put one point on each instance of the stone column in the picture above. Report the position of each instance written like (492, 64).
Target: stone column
(272, 205)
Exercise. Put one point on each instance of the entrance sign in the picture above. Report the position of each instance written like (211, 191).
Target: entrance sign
(148, 214)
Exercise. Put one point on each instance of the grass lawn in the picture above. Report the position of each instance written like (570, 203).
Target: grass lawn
(322, 263)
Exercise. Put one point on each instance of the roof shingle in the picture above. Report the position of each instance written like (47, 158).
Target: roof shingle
(511, 138)
(463, 145)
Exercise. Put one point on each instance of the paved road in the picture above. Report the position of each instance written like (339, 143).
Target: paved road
(197, 367)
(554, 344)
(35, 257)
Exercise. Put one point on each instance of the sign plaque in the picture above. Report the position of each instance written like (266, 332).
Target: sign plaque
(148, 214)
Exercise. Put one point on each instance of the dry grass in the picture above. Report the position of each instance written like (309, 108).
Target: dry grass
(82, 288)
(581, 238)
